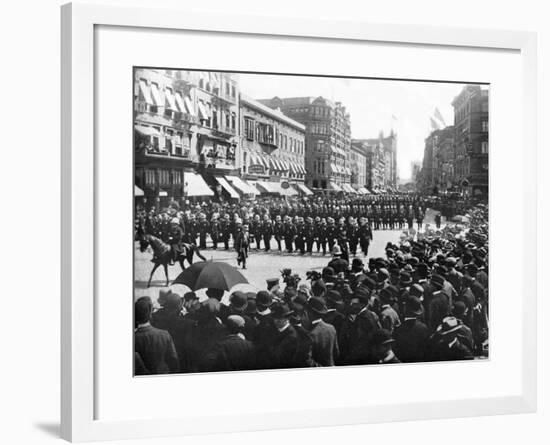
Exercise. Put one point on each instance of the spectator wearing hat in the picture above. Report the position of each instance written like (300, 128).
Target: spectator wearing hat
(205, 334)
(389, 319)
(459, 311)
(325, 345)
(338, 264)
(154, 346)
(448, 343)
(335, 310)
(467, 297)
(233, 352)
(265, 332)
(412, 336)
(357, 330)
(382, 342)
(170, 318)
(284, 349)
(439, 304)
(453, 276)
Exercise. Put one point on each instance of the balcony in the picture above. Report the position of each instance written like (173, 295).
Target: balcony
(222, 98)
(223, 131)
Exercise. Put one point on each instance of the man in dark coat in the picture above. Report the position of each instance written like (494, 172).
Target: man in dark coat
(154, 346)
(225, 230)
(267, 232)
(382, 350)
(325, 345)
(285, 345)
(439, 306)
(338, 264)
(335, 310)
(290, 234)
(357, 330)
(365, 235)
(411, 338)
(278, 231)
(232, 352)
(204, 229)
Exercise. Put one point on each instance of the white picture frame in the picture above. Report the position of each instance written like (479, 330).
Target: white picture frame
(79, 421)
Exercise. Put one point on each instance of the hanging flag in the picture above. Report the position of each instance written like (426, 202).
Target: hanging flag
(435, 125)
(439, 117)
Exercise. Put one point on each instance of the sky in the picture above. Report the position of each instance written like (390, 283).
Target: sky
(371, 104)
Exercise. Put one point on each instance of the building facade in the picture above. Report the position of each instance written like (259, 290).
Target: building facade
(471, 139)
(438, 166)
(327, 139)
(358, 166)
(381, 161)
(184, 121)
(272, 145)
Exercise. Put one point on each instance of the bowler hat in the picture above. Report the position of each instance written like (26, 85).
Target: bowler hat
(317, 305)
(280, 310)
(405, 278)
(238, 300)
(334, 296)
(264, 298)
(417, 290)
(271, 282)
(438, 281)
(413, 306)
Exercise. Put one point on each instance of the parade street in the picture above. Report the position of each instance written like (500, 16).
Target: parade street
(261, 265)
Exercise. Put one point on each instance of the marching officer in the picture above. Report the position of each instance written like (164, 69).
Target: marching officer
(353, 235)
(365, 235)
(309, 234)
(278, 231)
(331, 233)
(289, 233)
(192, 229)
(267, 232)
(256, 230)
(225, 230)
(215, 231)
(204, 229)
(300, 235)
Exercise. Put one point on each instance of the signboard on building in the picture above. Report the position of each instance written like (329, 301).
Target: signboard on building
(285, 185)
(256, 169)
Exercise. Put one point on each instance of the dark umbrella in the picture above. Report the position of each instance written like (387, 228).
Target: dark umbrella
(210, 274)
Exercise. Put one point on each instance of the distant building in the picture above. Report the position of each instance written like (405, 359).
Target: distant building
(416, 166)
(358, 166)
(438, 163)
(272, 144)
(471, 140)
(381, 161)
(327, 139)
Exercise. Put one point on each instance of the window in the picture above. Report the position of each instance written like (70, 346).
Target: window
(227, 119)
(233, 120)
(249, 128)
(484, 126)
(485, 147)
(233, 91)
(176, 177)
(214, 118)
(227, 88)
(150, 177)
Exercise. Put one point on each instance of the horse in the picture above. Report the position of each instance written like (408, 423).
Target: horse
(162, 254)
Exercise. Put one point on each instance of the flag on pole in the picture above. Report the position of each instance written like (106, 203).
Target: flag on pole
(435, 124)
(439, 117)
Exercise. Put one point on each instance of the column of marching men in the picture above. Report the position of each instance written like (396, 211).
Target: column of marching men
(427, 300)
(297, 225)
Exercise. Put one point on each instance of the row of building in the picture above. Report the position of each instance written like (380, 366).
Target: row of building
(456, 158)
(196, 133)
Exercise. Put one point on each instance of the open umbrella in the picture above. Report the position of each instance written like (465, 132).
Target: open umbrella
(210, 274)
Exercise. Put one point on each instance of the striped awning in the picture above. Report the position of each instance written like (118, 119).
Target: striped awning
(304, 189)
(242, 186)
(138, 191)
(223, 182)
(195, 185)
(335, 186)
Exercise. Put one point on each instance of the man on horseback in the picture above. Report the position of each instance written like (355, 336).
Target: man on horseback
(175, 238)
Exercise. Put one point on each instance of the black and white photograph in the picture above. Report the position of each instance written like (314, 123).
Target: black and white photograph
(289, 220)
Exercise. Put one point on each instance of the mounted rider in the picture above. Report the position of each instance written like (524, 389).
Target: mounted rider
(175, 239)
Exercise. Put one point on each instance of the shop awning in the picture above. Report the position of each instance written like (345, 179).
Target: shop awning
(189, 106)
(171, 100)
(293, 168)
(203, 112)
(266, 187)
(138, 191)
(334, 168)
(156, 95)
(363, 191)
(145, 92)
(301, 169)
(241, 186)
(335, 186)
(147, 131)
(304, 189)
(194, 185)
(223, 182)
(348, 188)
